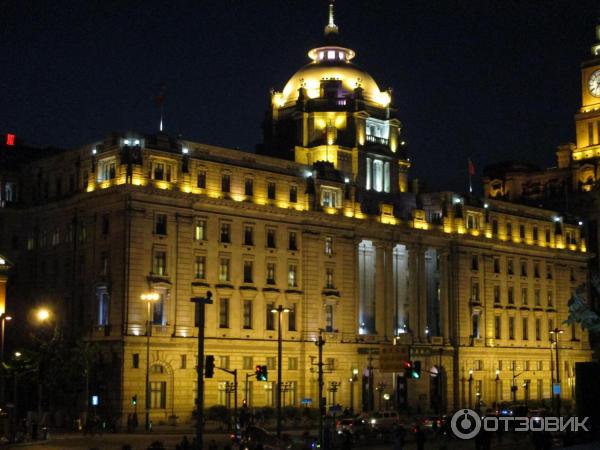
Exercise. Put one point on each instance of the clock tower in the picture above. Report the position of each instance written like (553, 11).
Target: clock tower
(587, 120)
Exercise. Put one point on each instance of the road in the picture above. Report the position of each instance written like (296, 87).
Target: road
(142, 441)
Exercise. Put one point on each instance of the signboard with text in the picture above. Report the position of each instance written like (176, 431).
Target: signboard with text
(392, 357)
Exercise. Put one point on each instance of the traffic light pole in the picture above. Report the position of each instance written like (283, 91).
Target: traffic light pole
(200, 302)
(235, 386)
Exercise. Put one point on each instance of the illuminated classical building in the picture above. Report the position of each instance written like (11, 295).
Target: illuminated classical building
(320, 222)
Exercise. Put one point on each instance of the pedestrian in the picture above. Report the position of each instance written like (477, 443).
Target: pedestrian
(150, 426)
(129, 423)
(420, 438)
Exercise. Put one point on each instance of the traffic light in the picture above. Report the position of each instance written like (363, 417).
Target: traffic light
(261, 373)
(209, 366)
(416, 372)
(134, 400)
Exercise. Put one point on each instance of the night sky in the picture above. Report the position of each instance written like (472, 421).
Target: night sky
(492, 79)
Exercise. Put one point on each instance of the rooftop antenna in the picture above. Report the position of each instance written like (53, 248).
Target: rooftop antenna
(160, 102)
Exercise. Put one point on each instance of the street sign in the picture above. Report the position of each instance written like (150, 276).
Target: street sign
(392, 357)
(306, 401)
(556, 388)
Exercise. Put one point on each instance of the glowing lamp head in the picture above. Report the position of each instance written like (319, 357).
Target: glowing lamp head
(42, 314)
(150, 297)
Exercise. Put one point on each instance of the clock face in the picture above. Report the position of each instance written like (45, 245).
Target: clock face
(594, 84)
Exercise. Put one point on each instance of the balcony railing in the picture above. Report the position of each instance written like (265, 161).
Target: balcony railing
(377, 140)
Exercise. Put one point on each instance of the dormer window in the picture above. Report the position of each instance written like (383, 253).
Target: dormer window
(162, 171)
(321, 55)
(107, 170)
(330, 197)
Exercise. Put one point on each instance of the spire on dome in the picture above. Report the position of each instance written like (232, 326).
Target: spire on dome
(331, 26)
(596, 46)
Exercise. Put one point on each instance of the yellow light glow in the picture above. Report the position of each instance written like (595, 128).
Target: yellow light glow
(162, 184)
(420, 225)
(384, 98)
(42, 314)
(238, 197)
(278, 99)
(329, 210)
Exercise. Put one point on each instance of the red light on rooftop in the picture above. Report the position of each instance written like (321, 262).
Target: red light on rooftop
(10, 139)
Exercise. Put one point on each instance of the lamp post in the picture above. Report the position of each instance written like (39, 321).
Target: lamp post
(150, 298)
(497, 380)
(42, 315)
(279, 311)
(526, 392)
(352, 380)
(3, 318)
(470, 388)
(555, 332)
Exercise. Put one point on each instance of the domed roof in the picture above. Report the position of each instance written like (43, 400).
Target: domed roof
(331, 62)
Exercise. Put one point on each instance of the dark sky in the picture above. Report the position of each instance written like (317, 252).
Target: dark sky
(488, 78)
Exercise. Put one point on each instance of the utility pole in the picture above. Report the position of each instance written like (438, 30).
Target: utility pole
(200, 302)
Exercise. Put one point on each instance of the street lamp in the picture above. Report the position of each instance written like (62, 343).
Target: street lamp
(497, 379)
(353, 379)
(554, 333)
(3, 318)
(279, 311)
(43, 315)
(470, 388)
(150, 298)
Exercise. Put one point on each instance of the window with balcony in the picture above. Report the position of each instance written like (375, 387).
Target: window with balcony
(524, 296)
(550, 299)
(271, 238)
(497, 294)
(271, 273)
(159, 266)
(249, 187)
(510, 266)
(103, 299)
(329, 318)
(511, 295)
(248, 272)
(525, 329)
(292, 318)
(270, 322)
(511, 328)
(328, 245)
(224, 272)
(271, 190)
(200, 267)
(292, 275)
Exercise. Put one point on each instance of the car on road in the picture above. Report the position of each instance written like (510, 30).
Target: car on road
(383, 420)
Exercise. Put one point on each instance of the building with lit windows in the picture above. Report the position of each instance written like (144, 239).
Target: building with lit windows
(319, 221)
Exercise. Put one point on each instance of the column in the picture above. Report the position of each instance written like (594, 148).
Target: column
(380, 285)
(422, 296)
(444, 294)
(413, 300)
(389, 307)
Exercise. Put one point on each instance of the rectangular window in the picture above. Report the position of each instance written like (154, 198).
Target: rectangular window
(474, 291)
(247, 363)
(538, 330)
(201, 179)
(550, 299)
(159, 316)
(509, 230)
(159, 171)
(292, 318)
(271, 190)
(495, 227)
(549, 272)
(540, 389)
(224, 313)
(271, 238)
(105, 224)
(496, 264)
(524, 296)
(292, 275)
(511, 327)
(224, 269)
(135, 360)
(292, 363)
(160, 262)
(523, 268)
(200, 230)
(271, 273)
(104, 263)
(329, 284)
(548, 237)
(271, 362)
(496, 294)
(249, 187)
(537, 297)
(511, 295)
(475, 318)
(248, 235)
(525, 329)
(498, 327)
(200, 267)
(225, 183)
(270, 321)
(248, 272)
(292, 243)
(103, 305)
(522, 232)
(474, 262)
(224, 362)
(329, 318)
(329, 245)
(535, 234)
(536, 269)
(590, 133)
(160, 224)
(183, 361)
(158, 394)
(247, 314)
(329, 198)
(293, 194)
(225, 235)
